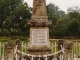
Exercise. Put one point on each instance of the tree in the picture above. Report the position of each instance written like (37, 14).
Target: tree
(14, 15)
(17, 21)
(61, 14)
(73, 12)
(54, 13)
(19, 17)
(60, 28)
(73, 27)
(6, 8)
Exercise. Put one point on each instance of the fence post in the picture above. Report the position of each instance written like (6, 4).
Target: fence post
(18, 44)
(22, 48)
(68, 55)
(0, 49)
(9, 51)
(52, 47)
(60, 46)
(55, 46)
(79, 49)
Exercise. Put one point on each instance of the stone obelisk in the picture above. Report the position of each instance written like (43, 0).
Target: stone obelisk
(39, 29)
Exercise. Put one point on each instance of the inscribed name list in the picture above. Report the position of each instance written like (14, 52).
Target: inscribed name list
(39, 37)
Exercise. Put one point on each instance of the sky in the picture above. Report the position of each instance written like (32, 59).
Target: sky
(62, 4)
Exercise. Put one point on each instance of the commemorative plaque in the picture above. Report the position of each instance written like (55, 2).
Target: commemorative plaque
(39, 37)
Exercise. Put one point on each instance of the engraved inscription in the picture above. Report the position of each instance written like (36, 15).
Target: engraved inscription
(39, 37)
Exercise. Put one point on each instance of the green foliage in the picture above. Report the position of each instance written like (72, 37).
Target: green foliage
(54, 13)
(73, 27)
(20, 17)
(6, 8)
(68, 25)
(14, 15)
(73, 12)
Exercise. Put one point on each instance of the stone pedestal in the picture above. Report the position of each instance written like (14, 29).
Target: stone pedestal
(39, 41)
(68, 55)
(9, 51)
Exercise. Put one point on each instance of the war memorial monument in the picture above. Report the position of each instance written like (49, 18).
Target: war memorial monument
(39, 29)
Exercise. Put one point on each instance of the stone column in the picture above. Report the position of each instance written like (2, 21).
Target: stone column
(9, 51)
(60, 46)
(68, 55)
(18, 44)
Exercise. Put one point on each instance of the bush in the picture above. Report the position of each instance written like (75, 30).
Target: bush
(4, 33)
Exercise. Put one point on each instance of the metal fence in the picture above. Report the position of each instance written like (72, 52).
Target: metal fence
(54, 47)
(76, 46)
